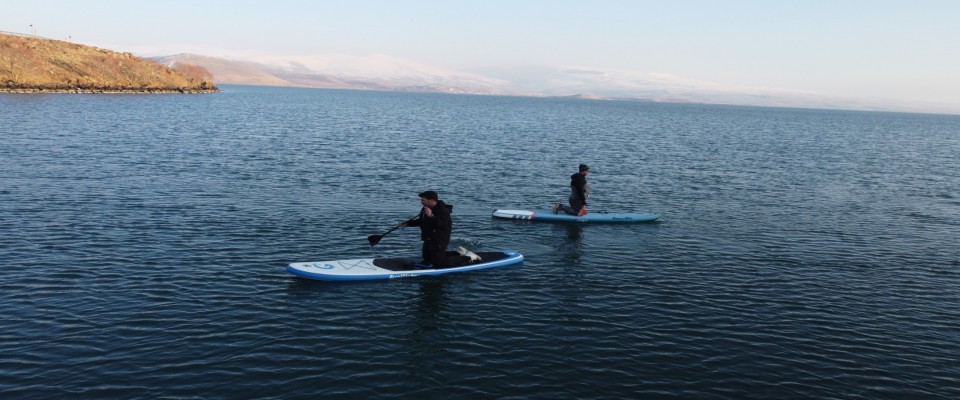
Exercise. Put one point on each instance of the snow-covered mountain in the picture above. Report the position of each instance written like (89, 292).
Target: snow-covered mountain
(375, 72)
(379, 72)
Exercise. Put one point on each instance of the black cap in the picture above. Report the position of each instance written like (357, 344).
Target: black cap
(429, 195)
(584, 167)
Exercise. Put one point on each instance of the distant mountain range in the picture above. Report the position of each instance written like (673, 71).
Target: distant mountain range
(377, 72)
(343, 72)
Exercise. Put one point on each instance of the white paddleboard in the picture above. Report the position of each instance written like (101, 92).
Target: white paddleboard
(391, 268)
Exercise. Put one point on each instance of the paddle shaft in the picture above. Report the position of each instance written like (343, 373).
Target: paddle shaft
(374, 239)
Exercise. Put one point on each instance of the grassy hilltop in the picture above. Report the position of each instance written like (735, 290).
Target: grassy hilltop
(31, 64)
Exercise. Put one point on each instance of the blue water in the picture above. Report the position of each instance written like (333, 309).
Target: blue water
(800, 254)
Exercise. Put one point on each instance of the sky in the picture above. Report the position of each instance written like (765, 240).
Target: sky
(903, 50)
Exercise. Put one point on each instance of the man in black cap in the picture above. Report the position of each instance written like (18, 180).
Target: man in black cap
(436, 225)
(579, 191)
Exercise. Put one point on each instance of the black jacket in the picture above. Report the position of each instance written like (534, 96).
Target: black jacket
(578, 187)
(436, 229)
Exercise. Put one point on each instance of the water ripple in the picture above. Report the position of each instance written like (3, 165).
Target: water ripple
(801, 253)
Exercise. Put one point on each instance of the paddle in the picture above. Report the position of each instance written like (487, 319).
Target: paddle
(374, 239)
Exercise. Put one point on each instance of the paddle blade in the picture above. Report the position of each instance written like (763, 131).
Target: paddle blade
(374, 239)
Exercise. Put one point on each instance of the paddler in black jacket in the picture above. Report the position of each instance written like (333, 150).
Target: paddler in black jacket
(579, 192)
(436, 225)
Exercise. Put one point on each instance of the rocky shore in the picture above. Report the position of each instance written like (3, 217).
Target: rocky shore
(31, 64)
(108, 91)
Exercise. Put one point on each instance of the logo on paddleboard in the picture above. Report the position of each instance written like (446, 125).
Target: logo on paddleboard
(324, 266)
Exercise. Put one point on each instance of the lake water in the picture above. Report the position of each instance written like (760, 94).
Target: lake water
(800, 253)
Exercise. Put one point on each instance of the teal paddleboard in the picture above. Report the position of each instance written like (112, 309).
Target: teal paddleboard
(592, 216)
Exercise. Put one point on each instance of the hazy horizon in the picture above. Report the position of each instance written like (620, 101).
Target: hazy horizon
(882, 52)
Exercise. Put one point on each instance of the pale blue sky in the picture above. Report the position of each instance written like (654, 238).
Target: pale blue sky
(852, 48)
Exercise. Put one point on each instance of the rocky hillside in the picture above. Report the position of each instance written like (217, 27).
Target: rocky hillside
(33, 64)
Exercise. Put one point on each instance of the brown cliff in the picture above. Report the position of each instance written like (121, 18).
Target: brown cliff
(33, 64)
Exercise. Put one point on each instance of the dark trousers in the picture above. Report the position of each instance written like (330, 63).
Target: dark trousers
(437, 254)
(575, 206)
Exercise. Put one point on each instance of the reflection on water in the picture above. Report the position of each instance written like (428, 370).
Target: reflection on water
(428, 306)
(575, 235)
(423, 341)
(571, 245)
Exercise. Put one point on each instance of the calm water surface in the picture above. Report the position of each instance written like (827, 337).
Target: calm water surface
(801, 253)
